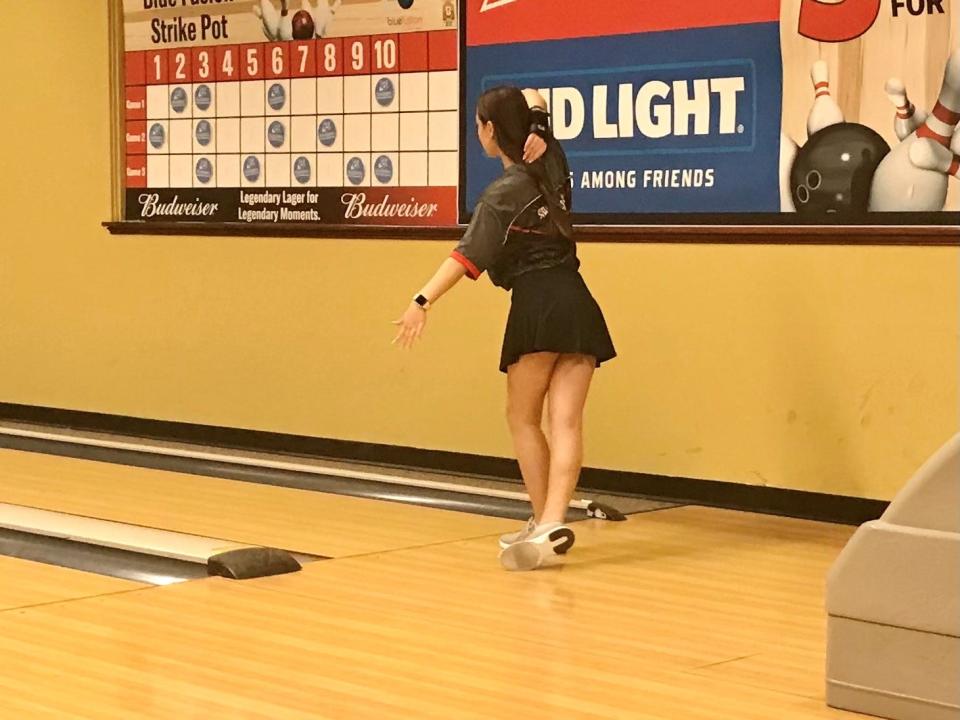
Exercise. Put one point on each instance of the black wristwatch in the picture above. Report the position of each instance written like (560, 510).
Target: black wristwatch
(422, 301)
(539, 122)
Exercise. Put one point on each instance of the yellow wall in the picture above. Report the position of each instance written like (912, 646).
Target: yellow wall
(822, 368)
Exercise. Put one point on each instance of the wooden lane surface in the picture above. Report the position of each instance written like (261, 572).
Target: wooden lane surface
(645, 619)
(24, 583)
(295, 520)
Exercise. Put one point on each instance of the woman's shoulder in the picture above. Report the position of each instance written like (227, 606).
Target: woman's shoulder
(513, 190)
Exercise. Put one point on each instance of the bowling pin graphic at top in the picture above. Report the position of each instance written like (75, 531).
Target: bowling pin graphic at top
(908, 117)
(788, 153)
(285, 28)
(942, 121)
(323, 16)
(825, 111)
(899, 185)
(285, 24)
(929, 155)
(270, 18)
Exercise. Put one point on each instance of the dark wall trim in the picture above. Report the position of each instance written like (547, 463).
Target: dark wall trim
(736, 496)
(765, 233)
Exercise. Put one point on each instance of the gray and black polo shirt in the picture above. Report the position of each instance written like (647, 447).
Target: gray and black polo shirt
(511, 232)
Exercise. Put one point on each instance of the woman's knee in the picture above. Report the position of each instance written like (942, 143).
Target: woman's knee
(566, 423)
(523, 416)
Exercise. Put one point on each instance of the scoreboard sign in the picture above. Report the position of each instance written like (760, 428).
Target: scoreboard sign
(260, 111)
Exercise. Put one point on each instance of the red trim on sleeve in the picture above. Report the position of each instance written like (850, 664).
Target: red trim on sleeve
(472, 271)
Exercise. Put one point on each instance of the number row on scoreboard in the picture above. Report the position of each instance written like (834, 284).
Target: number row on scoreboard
(408, 52)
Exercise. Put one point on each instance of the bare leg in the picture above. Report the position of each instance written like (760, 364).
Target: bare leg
(567, 394)
(527, 383)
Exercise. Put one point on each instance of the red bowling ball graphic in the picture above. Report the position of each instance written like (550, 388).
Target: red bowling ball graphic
(312, 19)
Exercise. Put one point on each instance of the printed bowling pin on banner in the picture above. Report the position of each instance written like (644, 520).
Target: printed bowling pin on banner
(269, 16)
(908, 118)
(825, 111)
(899, 185)
(788, 153)
(285, 28)
(930, 155)
(942, 121)
(322, 14)
(259, 13)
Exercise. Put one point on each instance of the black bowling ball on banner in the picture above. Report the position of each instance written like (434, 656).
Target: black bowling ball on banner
(831, 174)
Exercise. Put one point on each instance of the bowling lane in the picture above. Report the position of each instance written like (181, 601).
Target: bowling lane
(27, 583)
(297, 520)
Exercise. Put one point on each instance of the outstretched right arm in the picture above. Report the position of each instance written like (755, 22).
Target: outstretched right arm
(478, 249)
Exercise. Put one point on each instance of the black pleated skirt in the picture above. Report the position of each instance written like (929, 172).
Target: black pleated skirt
(553, 311)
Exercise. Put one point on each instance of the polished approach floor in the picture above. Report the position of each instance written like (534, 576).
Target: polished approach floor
(683, 613)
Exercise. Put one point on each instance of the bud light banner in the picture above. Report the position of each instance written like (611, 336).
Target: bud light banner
(770, 110)
(648, 126)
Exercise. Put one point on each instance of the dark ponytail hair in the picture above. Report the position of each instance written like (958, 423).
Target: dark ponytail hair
(506, 107)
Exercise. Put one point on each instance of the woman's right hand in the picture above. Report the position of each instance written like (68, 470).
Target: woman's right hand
(534, 148)
(412, 323)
